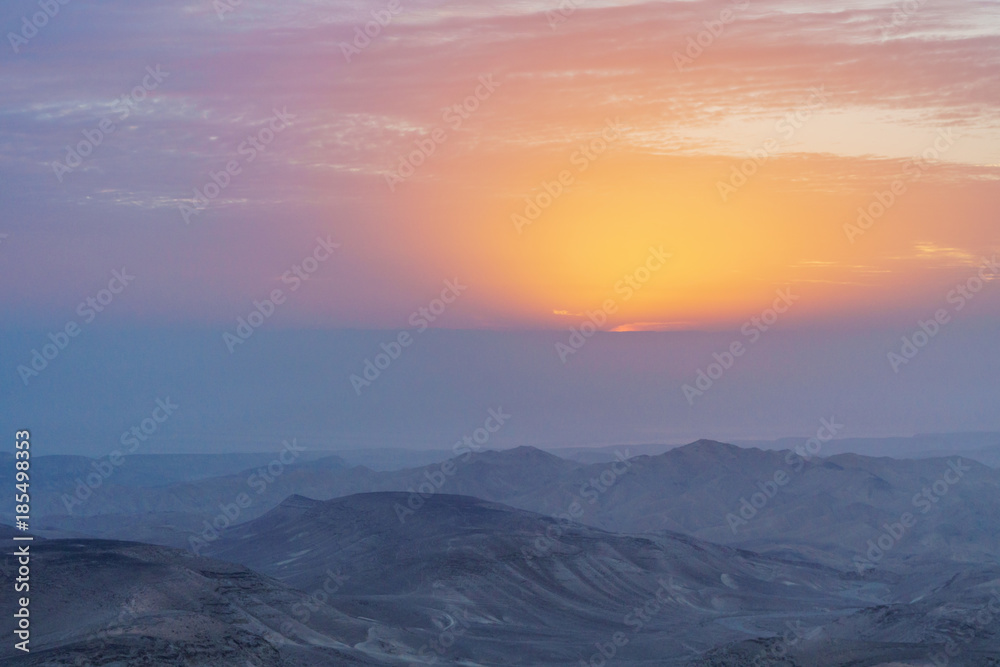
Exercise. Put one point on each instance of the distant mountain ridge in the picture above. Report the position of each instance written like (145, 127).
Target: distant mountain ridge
(772, 501)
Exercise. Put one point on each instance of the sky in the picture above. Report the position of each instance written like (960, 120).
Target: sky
(674, 169)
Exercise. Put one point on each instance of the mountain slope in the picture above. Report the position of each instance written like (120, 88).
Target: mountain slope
(505, 575)
(117, 603)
